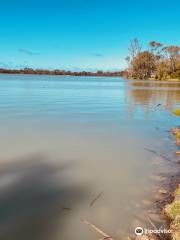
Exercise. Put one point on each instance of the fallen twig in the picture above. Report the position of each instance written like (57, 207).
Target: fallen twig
(95, 199)
(154, 226)
(159, 154)
(102, 233)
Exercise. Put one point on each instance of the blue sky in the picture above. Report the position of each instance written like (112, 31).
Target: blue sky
(82, 34)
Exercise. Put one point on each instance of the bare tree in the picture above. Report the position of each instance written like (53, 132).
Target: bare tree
(173, 54)
(134, 49)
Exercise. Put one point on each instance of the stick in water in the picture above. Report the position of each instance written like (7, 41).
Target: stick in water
(102, 233)
(154, 226)
(159, 154)
(95, 199)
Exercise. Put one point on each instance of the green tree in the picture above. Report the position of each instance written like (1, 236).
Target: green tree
(159, 62)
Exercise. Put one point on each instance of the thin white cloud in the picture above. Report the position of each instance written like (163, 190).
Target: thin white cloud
(97, 55)
(26, 51)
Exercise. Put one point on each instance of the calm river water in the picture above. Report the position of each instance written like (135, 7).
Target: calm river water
(66, 140)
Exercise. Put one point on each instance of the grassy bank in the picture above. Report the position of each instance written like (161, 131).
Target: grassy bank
(172, 211)
(165, 80)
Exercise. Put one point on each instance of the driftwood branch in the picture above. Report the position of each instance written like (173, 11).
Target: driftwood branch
(158, 154)
(95, 199)
(102, 233)
(154, 226)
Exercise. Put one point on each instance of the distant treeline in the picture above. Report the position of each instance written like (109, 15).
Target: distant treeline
(61, 72)
(157, 61)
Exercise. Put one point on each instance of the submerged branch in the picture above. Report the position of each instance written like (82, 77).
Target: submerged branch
(102, 233)
(95, 199)
(159, 154)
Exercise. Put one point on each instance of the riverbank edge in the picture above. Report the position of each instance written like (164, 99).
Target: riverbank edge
(170, 203)
(165, 80)
(63, 73)
(171, 213)
(91, 74)
(176, 80)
